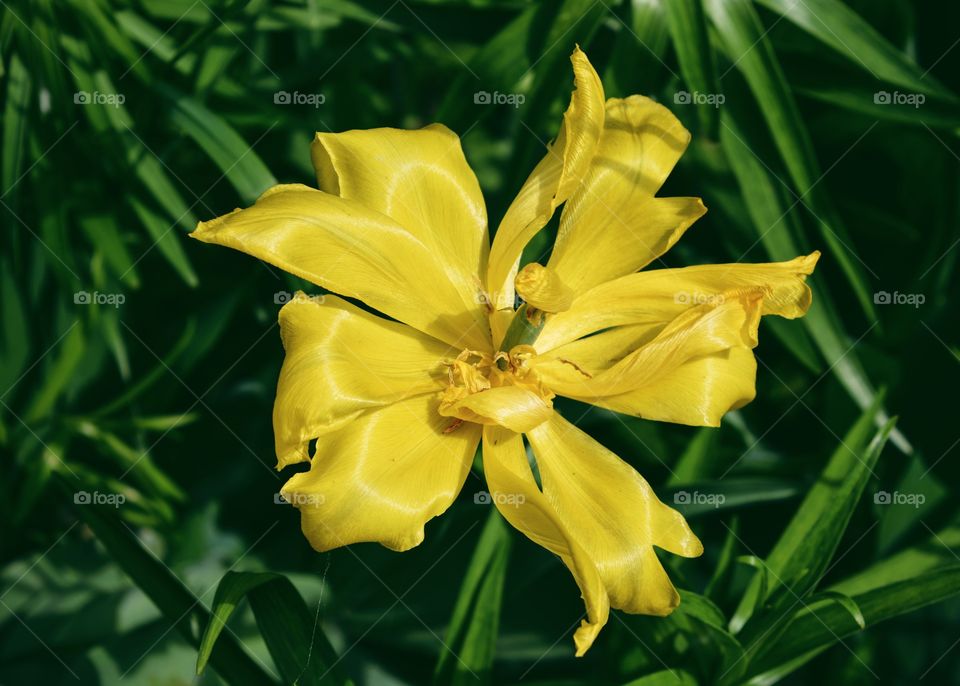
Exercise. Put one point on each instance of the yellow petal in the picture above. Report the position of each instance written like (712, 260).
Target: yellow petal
(693, 372)
(541, 287)
(422, 181)
(521, 503)
(351, 250)
(613, 225)
(381, 477)
(654, 298)
(552, 181)
(514, 407)
(341, 361)
(612, 512)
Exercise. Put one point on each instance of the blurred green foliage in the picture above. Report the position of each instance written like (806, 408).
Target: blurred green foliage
(137, 369)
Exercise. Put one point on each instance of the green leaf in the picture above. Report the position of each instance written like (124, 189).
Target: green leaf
(183, 609)
(470, 642)
(707, 628)
(939, 550)
(666, 677)
(845, 601)
(767, 211)
(537, 33)
(104, 233)
(933, 111)
(295, 640)
(838, 26)
(139, 464)
(15, 119)
(141, 159)
(14, 337)
(712, 497)
(746, 43)
(146, 381)
(688, 30)
(694, 464)
(636, 62)
(165, 239)
(811, 629)
(58, 376)
(238, 161)
(724, 567)
(803, 552)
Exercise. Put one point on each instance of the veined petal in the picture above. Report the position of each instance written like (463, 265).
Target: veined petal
(381, 477)
(341, 361)
(552, 181)
(612, 512)
(354, 251)
(514, 407)
(693, 372)
(422, 181)
(540, 286)
(654, 298)
(521, 503)
(613, 225)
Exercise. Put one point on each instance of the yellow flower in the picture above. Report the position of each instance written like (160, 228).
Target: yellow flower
(398, 406)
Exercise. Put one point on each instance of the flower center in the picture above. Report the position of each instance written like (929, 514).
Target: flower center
(499, 389)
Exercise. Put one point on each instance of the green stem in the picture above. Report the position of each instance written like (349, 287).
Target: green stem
(526, 325)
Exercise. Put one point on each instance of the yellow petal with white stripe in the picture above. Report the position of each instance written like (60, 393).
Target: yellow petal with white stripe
(342, 361)
(613, 225)
(698, 368)
(552, 181)
(521, 503)
(655, 297)
(611, 511)
(383, 476)
(420, 179)
(349, 249)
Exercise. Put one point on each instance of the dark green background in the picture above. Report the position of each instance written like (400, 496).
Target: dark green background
(179, 379)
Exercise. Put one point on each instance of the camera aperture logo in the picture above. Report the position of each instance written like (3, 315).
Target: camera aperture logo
(914, 100)
(487, 498)
(698, 98)
(698, 498)
(498, 98)
(297, 98)
(694, 298)
(898, 298)
(914, 500)
(283, 297)
(98, 98)
(97, 498)
(97, 298)
(299, 499)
